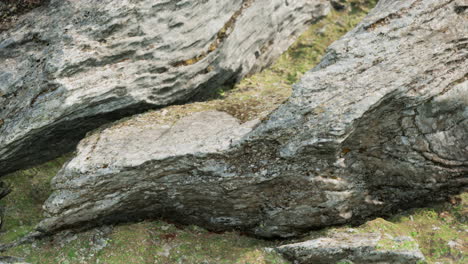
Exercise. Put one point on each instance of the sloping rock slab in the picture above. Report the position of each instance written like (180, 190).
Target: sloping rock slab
(380, 125)
(70, 66)
(353, 248)
(131, 163)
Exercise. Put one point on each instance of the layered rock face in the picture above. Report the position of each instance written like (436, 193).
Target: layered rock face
(379, 125)
(69, 66)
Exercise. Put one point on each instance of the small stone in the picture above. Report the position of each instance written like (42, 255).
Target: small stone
(355, 248)
(452, 244)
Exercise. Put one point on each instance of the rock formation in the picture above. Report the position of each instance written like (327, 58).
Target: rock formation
(380, 124)
(67, 67)
(364, 248)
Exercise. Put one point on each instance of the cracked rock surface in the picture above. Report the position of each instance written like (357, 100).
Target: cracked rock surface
(363, 248)
(68, 67)
(379, 125)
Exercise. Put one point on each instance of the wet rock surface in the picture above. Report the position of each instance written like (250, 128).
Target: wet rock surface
(365, 248)
(381, 124)
(68, 67)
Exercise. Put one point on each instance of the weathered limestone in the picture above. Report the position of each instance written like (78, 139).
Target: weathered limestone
(363, 248)
(381, 124)
(69, 66)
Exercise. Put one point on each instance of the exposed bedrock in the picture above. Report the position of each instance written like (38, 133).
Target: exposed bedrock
(67, 67)
(380, 124)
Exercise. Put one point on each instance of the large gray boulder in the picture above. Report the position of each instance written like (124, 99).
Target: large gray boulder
(69, 66)
(364, 248)
(380, 124)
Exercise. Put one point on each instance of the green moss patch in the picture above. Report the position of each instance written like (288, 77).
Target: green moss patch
(441, 231)
(151, 242)
(23, 206)
(166, 243)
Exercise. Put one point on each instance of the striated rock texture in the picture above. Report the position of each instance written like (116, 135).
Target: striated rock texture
(364, 248)
(69, 66)
(379, 125)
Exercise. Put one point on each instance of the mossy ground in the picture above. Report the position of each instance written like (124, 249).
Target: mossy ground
(23, 206)
(441, 231)
(155, 242)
